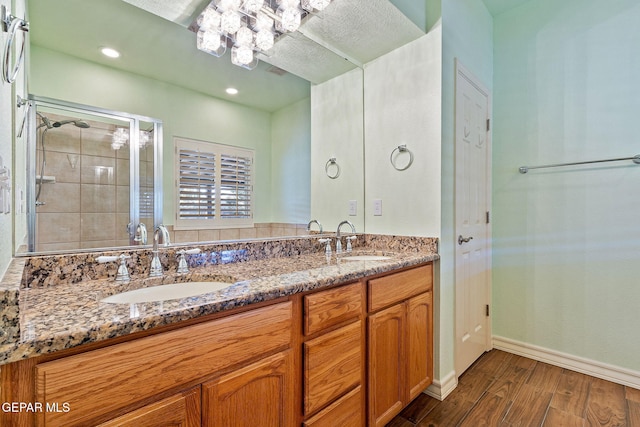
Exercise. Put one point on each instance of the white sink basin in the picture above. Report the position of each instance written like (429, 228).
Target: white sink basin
(366, 258)
(166, 292)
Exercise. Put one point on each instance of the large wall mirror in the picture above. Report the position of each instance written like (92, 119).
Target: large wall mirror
(93, 177)
(299, 108)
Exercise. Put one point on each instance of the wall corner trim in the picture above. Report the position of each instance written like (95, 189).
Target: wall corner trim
(440, 389)
(594, 368)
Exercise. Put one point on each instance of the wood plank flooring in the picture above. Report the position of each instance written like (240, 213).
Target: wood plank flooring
(505, 390)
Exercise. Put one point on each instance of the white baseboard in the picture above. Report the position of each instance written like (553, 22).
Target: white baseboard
(596, 369)
(440, 389)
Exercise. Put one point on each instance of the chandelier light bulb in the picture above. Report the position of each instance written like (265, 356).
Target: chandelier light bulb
(230, 22)
(289, 19)
(241, 55)
(252, 6)
(288, 4)
(264, 40)
(226, 5)
(244, 37)
(211, 42)
(209, 19)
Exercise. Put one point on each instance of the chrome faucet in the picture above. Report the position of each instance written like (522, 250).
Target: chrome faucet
(141, 234)
(316, 222)
(122, 275)
(338, 242)
(160, 232)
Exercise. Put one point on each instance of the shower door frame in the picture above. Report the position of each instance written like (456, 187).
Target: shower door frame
(134, 162)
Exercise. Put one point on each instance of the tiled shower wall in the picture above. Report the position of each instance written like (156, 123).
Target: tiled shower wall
(88, 204)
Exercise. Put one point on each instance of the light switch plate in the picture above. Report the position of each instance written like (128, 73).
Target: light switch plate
(377, 207)
(353, 207)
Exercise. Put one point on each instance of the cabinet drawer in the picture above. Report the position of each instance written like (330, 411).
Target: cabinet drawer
(331, 307)
(332, 365)
(345, 412)
(396, 287)
(105, 380)
(179, 410)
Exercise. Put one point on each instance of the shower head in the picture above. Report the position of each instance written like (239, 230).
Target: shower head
(77, 123)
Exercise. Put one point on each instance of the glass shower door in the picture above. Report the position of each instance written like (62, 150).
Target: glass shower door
(93, 179)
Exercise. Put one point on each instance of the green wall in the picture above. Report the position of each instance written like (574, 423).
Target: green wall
(567, 240)
(184, 113)
(291, 163)
(466, 35)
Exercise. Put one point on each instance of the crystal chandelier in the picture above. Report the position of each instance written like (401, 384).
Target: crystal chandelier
(250, 26)
(120, 138)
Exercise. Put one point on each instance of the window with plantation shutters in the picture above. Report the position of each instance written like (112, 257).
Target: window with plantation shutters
(214, 185)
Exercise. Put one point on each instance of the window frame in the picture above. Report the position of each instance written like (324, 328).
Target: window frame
(218, 151)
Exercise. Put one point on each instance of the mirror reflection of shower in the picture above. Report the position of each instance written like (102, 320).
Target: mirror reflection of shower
(47, 124)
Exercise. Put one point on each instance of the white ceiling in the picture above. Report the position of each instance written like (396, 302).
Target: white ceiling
(156, 47)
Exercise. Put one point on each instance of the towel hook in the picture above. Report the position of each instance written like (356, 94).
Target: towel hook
(332, 162)
(401, 149)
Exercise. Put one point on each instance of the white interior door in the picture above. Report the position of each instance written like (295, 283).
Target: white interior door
(472, 185)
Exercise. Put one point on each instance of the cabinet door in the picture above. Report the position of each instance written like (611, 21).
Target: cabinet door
(180, 410)
(386, 364)
(420, 344)
(260, 394)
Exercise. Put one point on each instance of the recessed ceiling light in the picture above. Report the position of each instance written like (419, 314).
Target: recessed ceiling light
(232, 91)
(111, 53)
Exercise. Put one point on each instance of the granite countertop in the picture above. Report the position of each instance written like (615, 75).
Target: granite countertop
(67, 315)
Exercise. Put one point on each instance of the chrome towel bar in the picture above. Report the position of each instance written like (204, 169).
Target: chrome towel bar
(635, 159)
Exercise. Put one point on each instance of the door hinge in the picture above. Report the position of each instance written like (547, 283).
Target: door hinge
(487, 310)
(488, 125)
(488, 217)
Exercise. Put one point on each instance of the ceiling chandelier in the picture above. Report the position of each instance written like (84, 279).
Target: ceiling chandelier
(250, 26)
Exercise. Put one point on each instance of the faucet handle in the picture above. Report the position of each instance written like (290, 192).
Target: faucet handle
(183, 267)
(327, 248)
(122, 275)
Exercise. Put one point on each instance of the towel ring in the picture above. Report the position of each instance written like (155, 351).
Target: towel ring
(332, 162)
(11, 25)
(401, 149)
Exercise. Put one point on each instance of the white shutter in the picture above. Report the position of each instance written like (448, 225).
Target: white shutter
(214, 185)
(197, 197)
(235, 186)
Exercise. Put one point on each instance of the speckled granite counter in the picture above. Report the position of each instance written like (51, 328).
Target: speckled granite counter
(39, 319)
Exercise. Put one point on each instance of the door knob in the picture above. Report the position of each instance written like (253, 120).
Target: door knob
(462, 240)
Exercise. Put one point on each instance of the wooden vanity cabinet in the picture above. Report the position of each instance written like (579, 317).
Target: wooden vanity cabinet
(103, 384)
(400, 348)
(348, 356)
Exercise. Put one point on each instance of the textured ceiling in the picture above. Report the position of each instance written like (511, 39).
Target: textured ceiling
(157, 44)
(181, 12)
(345, 35)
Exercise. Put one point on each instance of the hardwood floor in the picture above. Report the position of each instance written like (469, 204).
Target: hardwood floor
(505, 390)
